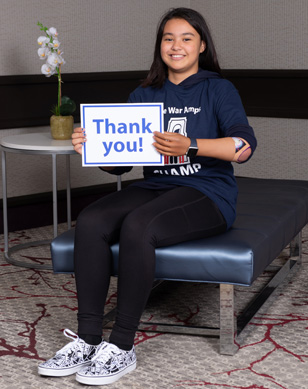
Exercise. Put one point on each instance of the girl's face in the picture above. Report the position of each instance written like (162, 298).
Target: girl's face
(180, 48)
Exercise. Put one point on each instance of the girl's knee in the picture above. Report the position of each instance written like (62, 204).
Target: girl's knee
(89, 221)
(137, 229)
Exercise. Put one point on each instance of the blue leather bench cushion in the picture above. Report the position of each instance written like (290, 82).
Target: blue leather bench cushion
(270, 213)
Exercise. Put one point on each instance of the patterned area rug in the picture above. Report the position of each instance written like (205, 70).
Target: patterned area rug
(36, 305)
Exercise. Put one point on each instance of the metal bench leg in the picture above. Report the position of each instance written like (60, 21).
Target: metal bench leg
(233, 328)
(296, 247)
(228, 325)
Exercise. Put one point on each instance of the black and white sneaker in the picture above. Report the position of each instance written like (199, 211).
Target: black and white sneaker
(109, 364)
(70, 359)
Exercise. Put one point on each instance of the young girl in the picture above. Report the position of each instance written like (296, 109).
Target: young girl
(192, 196)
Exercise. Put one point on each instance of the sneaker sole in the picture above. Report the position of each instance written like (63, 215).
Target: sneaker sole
(63, 372)
(88, 380)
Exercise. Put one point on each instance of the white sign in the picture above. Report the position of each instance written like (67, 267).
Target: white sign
(121, 134)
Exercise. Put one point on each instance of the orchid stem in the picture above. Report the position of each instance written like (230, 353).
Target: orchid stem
(59, 88)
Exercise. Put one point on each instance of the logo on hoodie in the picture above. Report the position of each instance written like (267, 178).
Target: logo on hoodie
(177, 125)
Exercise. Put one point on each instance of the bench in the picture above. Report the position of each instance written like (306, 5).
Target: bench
(270, 216)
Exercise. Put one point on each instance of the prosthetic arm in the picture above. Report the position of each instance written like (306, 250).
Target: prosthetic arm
(242, 150)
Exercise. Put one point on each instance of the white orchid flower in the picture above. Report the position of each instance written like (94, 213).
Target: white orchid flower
(43, 52)
(54, 44)
(49, 50)
(52, 31)
(41, 40)
(48, 70)
(61, 60)
(54, 59)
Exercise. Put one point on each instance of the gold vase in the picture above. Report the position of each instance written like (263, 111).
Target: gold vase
(61, 127)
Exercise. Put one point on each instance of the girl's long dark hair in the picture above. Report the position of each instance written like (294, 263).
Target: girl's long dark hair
(207, 59)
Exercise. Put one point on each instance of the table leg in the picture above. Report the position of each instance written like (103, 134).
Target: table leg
(119, 182)
(8, 251)
(4, 189)
(54, 195)
(68, 192)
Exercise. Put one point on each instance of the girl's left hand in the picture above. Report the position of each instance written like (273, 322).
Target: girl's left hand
(171, 143)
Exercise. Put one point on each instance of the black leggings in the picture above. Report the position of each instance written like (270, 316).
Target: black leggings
(140, 220)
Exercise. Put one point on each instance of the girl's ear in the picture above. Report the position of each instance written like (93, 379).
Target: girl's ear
(202, 47)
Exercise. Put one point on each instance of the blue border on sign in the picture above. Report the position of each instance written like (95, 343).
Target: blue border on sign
(121, 105)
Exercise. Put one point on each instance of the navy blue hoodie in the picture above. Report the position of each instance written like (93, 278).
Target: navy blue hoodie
(203, 106)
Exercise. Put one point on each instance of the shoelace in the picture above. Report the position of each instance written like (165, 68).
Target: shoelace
(105, 353)
(69, 334)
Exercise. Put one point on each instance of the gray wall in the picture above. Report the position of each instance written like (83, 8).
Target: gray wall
(118, 35)
(111, 35)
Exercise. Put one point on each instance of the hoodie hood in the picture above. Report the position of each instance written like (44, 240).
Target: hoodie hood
(200, 76)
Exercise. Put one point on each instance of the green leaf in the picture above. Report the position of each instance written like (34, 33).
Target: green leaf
(55, 110)
(67, 107)
(42, 27)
